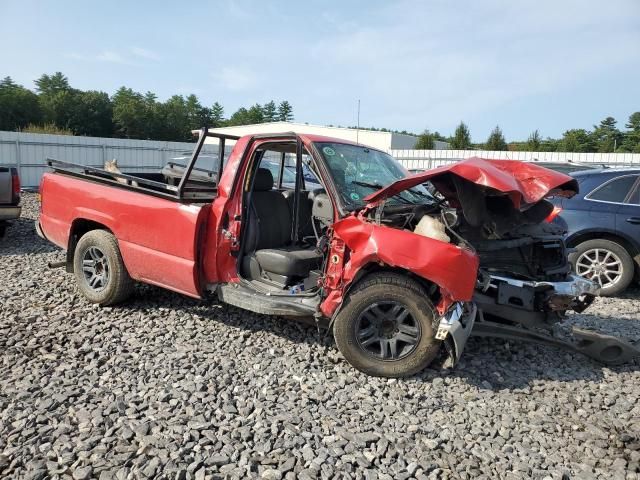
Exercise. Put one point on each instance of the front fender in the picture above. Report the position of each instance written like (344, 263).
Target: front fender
(357, 243)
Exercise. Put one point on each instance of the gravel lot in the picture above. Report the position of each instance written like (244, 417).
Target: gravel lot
(168, 387)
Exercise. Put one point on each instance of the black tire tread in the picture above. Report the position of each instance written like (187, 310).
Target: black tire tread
(402, 368)
(121, 284)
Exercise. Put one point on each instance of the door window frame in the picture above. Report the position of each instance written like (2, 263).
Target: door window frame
(625, 200)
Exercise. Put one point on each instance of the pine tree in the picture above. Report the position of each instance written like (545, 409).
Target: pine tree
(217, 115)
(631, 142)
(285, 111)
(270, 111)
(461, 138)
(496, 140)
(606, 136)
(534, 142)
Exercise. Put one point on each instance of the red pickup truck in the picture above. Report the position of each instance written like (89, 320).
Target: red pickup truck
(398, 267)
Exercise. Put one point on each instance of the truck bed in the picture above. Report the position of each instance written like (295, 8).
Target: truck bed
(152, 183)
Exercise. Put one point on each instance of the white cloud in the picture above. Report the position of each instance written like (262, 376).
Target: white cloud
(131, 56)
(110, 56)
(235, 78)
(145, 53)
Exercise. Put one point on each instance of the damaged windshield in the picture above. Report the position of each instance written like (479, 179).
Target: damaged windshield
(359, 171)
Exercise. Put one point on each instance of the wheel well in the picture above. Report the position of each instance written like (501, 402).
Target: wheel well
(79, 227)
(612, 237)
(432, 290)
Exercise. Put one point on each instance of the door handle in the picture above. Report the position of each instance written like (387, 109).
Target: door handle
(634, 220)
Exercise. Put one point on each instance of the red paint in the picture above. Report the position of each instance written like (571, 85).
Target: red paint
(524, 182)
(157, 237)
(452, 268)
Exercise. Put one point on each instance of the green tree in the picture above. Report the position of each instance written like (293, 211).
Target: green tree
(606, 136)
(496, 140)
(198, 115)
(270, 111)
(577, 140)
(217, 115)
(255, 114)
(19, 106)
(461, 138)
(534, 142)
(91, 114)
(239, 117)
(135, 115)
(631, 138)
(50, 84)
(285, 111)
(57, 99)
(175, 119)
(426, 141)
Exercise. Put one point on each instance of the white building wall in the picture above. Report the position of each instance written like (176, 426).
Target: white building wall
(380, 140)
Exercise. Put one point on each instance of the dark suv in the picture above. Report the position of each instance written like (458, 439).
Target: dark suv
(603, 223)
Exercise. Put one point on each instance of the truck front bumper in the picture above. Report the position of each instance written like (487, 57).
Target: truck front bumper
(455, 328)
(9, 213)
(576, 293)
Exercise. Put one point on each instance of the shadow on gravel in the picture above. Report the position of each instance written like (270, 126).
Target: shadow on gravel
(298, 331)
(21, 239)
(495, 364)
(489, 364)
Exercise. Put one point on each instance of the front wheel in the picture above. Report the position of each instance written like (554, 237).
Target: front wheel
(385, 327)
(100, 272)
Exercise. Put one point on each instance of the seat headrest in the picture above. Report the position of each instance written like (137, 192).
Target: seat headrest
(264, 180)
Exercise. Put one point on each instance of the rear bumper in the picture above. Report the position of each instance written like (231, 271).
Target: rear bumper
(9, 213)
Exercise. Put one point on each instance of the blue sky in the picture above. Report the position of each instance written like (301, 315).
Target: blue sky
(550, 65)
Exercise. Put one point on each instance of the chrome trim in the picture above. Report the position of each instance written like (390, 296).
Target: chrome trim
(586, 197)
(576, 286)
(451, 326)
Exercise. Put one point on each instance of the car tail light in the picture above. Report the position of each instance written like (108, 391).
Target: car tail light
(554, 213)
(15, 186)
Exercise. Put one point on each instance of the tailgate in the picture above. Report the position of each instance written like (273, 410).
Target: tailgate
(5, 186)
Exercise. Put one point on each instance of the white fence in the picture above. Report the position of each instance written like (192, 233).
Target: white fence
(424, 159)
(28, 152)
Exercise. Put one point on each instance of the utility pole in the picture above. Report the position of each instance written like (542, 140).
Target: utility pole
(358, 126)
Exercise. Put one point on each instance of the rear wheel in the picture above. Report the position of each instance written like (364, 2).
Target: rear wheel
(99, 269)
(605, 262)
(385, 327)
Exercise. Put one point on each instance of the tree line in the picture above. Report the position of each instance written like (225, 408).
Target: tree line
(57, 107)
(604, 138)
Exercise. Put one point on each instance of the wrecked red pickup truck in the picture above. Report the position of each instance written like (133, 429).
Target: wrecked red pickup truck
(400, 268)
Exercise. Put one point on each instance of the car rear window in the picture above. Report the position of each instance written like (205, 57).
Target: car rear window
(615, 190)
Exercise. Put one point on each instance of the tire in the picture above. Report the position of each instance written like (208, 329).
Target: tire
(600, 255)
(3, 229)
(364, 326)
(97, 255)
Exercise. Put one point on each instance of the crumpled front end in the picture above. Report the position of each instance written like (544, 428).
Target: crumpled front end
(358, 243)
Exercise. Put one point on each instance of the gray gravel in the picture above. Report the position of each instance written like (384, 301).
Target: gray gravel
(168, 387)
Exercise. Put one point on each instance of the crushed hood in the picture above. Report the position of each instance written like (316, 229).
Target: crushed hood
(525, 183)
